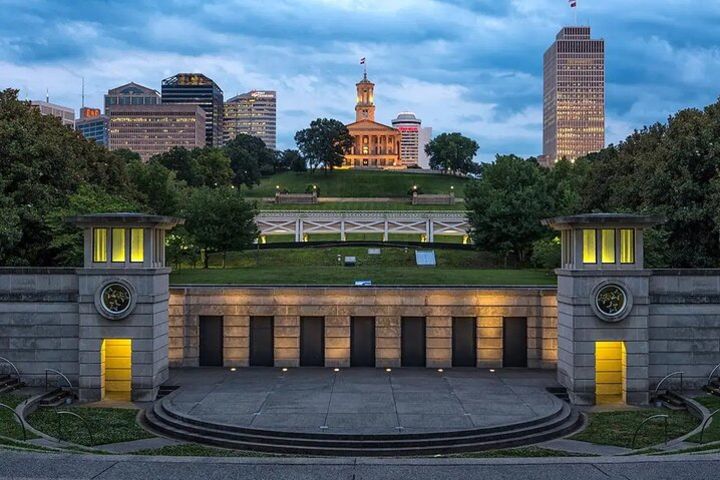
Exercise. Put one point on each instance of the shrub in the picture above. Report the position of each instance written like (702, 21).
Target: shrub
(546, 253)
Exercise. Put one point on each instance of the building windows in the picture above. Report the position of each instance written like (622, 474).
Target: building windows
(118, 245)
(137, 249)
(607, 243)
(589, 246)
(627, 245)
(100, 245)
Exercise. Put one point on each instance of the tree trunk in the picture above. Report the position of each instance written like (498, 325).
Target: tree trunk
(206, 260)
(224, 258)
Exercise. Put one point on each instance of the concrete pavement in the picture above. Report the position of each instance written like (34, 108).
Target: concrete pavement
(40, 466)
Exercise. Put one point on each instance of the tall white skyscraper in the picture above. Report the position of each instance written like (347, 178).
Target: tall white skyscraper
(413, 139)
(253, 113)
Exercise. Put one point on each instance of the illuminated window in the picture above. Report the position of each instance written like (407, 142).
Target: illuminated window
(607, 242)
(118, 245)
(589, 246)
(100, 245)
(627, 245)
(137, 251)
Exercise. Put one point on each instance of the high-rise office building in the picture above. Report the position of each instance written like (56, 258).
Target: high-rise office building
(574, 96)
(131, 94)
(92, 125)
(253, 113)
(152, 129)
(413, 138)
(197, 89)
(65, 114)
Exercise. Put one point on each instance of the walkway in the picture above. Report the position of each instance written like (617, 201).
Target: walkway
(363, 400)
(50, 466)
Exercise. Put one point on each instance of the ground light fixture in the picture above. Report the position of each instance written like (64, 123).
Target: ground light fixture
(388, 369)
(284, 369)
(440, 370)
(233, 369)
(336, 369)
(492, 370)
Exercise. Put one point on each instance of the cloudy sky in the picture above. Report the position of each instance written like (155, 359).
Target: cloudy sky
(473, 66)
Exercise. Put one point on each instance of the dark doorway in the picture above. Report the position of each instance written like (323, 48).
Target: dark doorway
(261, 342)
(464, 351)
(413, 342)
(211, 341)
(514, 342)
(312, 342)
(362, 342)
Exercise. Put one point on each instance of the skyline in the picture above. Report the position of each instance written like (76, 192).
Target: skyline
(468, 66)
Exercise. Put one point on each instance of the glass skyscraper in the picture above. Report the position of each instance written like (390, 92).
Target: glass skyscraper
(197, 89)
(253, 113)
(574, 96)
(92, 125)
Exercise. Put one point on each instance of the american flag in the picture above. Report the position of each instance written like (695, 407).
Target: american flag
(573, 3)
(362, 61)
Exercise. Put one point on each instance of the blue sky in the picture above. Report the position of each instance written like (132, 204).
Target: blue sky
(473, 66)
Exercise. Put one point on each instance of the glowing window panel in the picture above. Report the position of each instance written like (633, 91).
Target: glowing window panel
(589, 246)
(118, 245)
(607, 243)
(100, 245)
(137, 251)
(627, 245)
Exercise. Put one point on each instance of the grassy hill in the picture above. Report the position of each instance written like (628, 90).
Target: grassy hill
(359, 183)
(394, 266)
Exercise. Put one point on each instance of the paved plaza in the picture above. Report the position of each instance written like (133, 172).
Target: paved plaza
(363, 400)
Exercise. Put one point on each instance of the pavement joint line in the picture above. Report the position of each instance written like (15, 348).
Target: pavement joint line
(457, 399)
(596, 467)
(279, 380)
(392, 392)
(105, 470)
(327, 412)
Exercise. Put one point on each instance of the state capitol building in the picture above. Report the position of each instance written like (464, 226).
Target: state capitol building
(375, 145)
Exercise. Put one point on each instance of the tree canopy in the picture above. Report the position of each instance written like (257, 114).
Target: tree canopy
(324, 143)
(452, 152)
(247, 156)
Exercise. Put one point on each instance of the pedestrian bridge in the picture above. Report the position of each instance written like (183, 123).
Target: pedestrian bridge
(426, 224)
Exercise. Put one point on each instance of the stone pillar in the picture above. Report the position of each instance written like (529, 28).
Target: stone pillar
(603, 306)
(123, 294)
(342, 231)
(337, 341)
(236, 344)
(387, 341)
(439, 342)
(489, 342)
(287, 341)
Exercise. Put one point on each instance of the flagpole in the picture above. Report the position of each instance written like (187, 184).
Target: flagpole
(576, 15)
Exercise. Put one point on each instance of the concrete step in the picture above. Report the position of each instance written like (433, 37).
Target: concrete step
(562, 422)
(55, 398)
(8, 383)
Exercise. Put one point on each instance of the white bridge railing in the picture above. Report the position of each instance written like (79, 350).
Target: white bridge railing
(300, 223)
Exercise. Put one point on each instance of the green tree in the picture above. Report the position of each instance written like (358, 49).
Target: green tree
(506, 204)
(295, 161)
(181, 161)
(324, 143)
(212, 167)
(43, 163)
(156, 188)
(66, 239)
(219, 220)
(452, 152)
(247, 155)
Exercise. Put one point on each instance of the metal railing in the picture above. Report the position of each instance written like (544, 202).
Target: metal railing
(20, 420)
(657, 389)
(709, 380)
(50, 370)
(705, 424)
(4, 360)
(60, 413)
(637, 430)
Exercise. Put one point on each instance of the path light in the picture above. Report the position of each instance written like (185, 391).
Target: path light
(440, 370)
(388, 369)
(336, 369)
(492, 370)
(284, 369)
(233, 369)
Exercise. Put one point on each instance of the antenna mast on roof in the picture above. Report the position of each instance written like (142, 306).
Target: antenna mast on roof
(47, 95)
(83, 92)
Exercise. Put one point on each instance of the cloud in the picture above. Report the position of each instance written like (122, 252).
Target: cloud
(473, 66)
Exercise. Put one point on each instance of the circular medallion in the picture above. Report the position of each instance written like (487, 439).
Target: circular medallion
(115, 299)
(611, 302)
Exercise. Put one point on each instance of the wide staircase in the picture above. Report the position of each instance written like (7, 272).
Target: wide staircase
(162, 418)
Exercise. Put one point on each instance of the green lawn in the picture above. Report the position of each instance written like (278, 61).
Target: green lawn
(394, 266)
(9, 426)
(712, 432)
(362, 206)
(358, 183)
(617, 427)
(107, 425)
(195, 450)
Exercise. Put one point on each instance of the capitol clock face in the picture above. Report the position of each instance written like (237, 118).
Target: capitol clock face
(611, 301)
(115, 299)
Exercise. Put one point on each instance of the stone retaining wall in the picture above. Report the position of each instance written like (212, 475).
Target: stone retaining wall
(386, 304)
